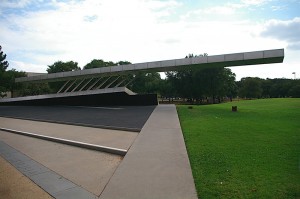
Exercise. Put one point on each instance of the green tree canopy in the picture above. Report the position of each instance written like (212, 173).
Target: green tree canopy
(250, 87)
(99, 63)
(60, 66)
(3, 64)
(7, 81)
(197, 84)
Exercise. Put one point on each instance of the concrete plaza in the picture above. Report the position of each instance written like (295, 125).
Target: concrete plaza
(156, 164)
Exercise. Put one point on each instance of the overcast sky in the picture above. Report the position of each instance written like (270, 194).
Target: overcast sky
(36, 33)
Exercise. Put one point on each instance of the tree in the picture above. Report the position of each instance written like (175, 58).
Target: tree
(7, 78)
(60, 66)
(146, 82)
(98, 63)
(250, 87)
(7, 81)
(166, 89)
(3, 64)
(197, 84)
(294, 91)
(29, 89)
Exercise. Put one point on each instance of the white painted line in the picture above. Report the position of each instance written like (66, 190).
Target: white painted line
(100, 107)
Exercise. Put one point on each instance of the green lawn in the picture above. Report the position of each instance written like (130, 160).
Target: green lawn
(252, 153)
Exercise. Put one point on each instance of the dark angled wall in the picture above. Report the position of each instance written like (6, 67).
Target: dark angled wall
(109, 99)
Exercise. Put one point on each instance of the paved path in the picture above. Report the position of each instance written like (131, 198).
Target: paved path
(123, 118)
(156, 165)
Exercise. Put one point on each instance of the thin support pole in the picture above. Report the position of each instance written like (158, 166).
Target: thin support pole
(85, 84)
(70, 86)
(103, 83)
(112, 82)
(120, 83)
(129, 82)
(94, 84)
(77, 85)
(63, 86)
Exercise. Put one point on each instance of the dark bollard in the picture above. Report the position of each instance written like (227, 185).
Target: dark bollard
(234, 108)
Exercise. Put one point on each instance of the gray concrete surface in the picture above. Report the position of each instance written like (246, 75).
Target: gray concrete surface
(54, 184)
(129, 118)
(226, 60)
(88, 169)
(84, 145)
(105, 137)
(157, 164)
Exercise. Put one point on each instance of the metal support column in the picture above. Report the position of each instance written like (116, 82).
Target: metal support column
(94, 84)
(120, 83)
(112, 82)
(77, 85)
(103, 83)
(70, 86)
(85, 84)
(63, 86)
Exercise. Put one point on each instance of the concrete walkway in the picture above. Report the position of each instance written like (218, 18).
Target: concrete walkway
(155, 166)
(105, 137)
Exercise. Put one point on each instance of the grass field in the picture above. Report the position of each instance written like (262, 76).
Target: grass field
(252, 153)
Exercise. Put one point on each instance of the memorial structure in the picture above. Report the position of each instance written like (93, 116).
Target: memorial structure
(107, 85)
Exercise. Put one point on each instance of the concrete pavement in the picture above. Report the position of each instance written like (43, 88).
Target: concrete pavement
(155, 166)
(105, 137)
(15, 180)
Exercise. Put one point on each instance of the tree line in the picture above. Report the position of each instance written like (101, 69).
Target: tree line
(208, 85)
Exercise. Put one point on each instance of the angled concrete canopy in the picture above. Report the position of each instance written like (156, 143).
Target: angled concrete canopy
(107, 86)
(226, 60)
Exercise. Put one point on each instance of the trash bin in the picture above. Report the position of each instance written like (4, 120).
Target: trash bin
(234, 108)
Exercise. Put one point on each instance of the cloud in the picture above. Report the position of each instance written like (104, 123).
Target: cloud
(135, 30)
(14, 4)
(90, 18)
(67, 30)
(288, 31)
(254, 2)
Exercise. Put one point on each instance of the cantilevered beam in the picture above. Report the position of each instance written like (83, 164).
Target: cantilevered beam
(226, 60)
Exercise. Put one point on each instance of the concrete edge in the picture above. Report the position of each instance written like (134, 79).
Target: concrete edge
(106, 149)
(55, 185)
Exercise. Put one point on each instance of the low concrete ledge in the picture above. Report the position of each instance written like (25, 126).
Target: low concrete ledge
(106, 149)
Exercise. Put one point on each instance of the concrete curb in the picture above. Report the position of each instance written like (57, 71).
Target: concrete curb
(106, 149)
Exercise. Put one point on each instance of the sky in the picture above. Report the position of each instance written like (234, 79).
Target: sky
(37, 33)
